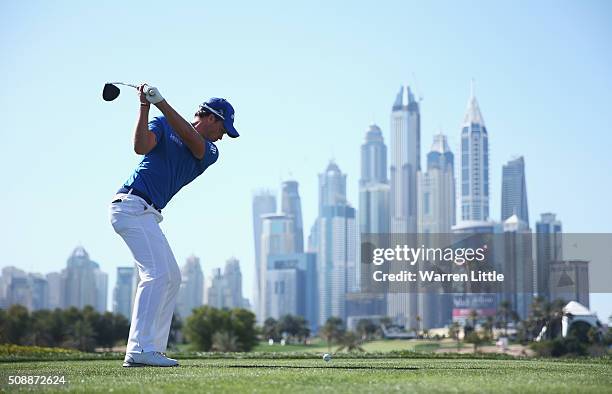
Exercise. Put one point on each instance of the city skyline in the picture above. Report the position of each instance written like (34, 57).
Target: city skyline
(538, 101)
(332, 194)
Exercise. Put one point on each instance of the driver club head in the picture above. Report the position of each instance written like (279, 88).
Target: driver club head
(110, 92)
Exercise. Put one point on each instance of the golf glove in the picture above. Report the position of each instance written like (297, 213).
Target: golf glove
(152, 94)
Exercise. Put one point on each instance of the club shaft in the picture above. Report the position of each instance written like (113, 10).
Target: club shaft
(125, 84)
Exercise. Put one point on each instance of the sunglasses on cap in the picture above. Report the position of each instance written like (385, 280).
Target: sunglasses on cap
(212, 110)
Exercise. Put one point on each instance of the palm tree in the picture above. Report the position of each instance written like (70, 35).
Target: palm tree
(474, 339)
(418, 327)
(487, 325)
(365, 328)
(506, 314)
(351, 342)
(473, 316)
(332, 330)
(454, 330)
(270, 329)
(553, 313)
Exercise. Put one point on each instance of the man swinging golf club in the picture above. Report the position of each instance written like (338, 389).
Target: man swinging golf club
(175, 153)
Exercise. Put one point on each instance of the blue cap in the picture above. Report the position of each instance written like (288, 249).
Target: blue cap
(221, 108)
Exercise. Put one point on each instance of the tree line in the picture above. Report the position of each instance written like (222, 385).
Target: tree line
(85, 329)
(206, 329)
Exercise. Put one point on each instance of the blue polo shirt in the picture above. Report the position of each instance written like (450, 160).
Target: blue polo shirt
(169, 166)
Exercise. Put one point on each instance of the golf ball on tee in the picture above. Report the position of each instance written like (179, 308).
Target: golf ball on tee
(327, 357)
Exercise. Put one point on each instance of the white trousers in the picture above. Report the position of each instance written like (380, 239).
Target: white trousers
(160, 277)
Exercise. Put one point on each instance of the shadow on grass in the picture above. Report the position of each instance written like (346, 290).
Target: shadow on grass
(347, 367)
(322, 367)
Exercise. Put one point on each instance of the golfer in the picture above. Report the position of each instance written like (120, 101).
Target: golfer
(175, 153)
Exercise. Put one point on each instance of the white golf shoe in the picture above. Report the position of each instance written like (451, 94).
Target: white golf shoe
(148, 359)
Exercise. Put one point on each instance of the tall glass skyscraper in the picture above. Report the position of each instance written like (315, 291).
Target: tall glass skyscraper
(518, 285)
(436, 208)
(233, 281)
(336, 242)
(405, 164)
(277, 238)
(514, 191)
(437, 189)
(125, 290)
(373, 158)
(84, 283)
(332, 187)
(191, 293)
(405, 161)
(264, 203)
(374, 215)
(292, 287)
(549, 243)
(474, 165)
(291, 206)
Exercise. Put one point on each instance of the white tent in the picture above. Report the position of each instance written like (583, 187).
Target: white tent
(574, 312)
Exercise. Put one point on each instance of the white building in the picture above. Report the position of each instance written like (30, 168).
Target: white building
(125, 291)
(225, 288)
(474, 190)
(405, 147)
(336, 244)
(277, 238)
(83, 283)
(436, 205)
(264, 203)
(518, 286)
(191, 292)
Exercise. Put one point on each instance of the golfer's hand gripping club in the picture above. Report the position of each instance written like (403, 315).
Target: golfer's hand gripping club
(152, 94)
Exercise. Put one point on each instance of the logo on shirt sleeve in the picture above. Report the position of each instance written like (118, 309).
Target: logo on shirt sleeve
(213, 149)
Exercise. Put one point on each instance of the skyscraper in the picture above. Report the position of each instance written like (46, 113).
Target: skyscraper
(518, 265)
(292, 287)
(373, 158)
(27, 289)
(277, 238)
(336, 235)
(374, 218)
(125, 289)
(54, 290)
(373, 184)
(215, 294)
(569, 281)
(292, 207)
(264, 203)
(405, 164)
(474, 165)
(332, 187)
(549, 241)
(437, 190)
(225, 289)
(514, 190)
(83, 282)
(40, 292)
(233, 282)
(191, 292)
(405, 161)
(16, 287)
(436, 209)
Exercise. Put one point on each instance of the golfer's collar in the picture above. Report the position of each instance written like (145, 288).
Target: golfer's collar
(214, 111)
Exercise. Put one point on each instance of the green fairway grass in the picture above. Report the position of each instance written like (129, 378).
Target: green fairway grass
(356, 375)
(381, 345)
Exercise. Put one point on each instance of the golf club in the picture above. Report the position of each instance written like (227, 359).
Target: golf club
(111, 92)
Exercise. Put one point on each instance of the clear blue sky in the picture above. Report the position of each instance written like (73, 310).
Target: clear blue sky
(306, 81)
